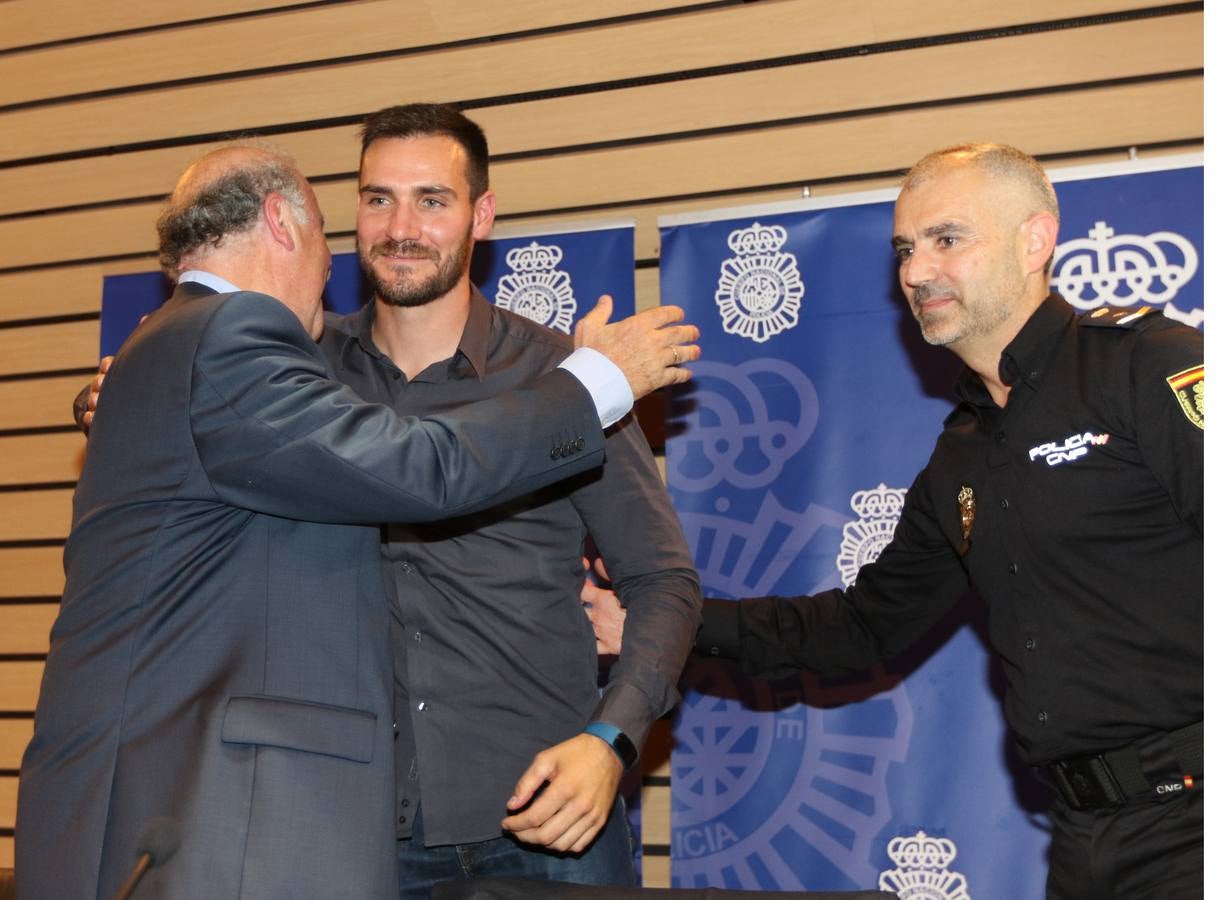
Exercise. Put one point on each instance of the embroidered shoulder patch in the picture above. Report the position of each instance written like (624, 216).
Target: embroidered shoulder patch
(1187, 387)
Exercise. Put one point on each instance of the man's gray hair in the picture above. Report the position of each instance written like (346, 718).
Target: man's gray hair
(226, 205)
(999, 160)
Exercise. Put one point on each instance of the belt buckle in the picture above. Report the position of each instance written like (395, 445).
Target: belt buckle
(1087, 783)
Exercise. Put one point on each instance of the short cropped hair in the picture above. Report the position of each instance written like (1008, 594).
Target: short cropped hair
(999, 160)
(229, 204)
(429, 120)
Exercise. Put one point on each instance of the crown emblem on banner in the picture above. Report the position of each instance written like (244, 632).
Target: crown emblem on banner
(534, 257)
(759, 289)
(536, 289)
(757, 238)
(865, 537)
(882, 501)
(919, 851)
(922, 869)
(1106, 268)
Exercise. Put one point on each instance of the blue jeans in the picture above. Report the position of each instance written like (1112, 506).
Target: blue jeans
(607, 861)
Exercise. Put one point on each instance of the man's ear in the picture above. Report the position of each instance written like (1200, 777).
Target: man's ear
(278, 218)
(1040, 236)
(484, 210)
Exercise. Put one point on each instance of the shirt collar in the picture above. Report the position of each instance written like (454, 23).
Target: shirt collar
(473, 343)
(1024, 359)
(209, 280)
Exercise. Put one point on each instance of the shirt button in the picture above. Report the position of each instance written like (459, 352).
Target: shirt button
(397, 376)
(407, 569)
(999, 435)
(1014, 568)
(423, 706)
(403, 821)
(1043, 716)
(1030, 644)
(417, 637)
(403, 803)
(1003, 503)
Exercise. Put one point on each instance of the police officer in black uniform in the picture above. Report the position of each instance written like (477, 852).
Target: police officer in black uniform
(1067, 487)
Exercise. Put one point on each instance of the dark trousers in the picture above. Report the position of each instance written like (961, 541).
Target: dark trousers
(1145, 850)
(607, 861)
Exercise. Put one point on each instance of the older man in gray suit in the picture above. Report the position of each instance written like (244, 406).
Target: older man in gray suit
(221, 656)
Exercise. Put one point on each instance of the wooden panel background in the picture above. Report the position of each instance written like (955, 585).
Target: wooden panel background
(622, 108)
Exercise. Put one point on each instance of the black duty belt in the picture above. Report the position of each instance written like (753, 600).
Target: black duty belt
(1164, 765)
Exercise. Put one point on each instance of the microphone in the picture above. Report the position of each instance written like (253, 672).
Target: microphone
(158, 842)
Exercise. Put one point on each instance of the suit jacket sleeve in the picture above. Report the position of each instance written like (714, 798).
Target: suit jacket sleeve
(632, 522)
(276, 435)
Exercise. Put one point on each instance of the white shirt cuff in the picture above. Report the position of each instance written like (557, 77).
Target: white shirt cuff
(604, 381)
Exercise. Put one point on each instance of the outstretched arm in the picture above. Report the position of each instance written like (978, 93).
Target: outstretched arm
(276, 435)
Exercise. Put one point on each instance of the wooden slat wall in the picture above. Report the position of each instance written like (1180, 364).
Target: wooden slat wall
(26, 23)
(622, 108)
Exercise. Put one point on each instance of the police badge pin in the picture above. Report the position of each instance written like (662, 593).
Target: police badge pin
(968, 509)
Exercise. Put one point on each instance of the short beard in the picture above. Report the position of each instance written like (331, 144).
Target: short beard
(921, 293)
(976, 321)
(406, 293)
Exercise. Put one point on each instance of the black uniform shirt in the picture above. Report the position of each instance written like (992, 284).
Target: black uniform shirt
(495, 659)
(1086, 539)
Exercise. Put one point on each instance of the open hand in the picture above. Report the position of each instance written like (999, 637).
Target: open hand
(649, 347)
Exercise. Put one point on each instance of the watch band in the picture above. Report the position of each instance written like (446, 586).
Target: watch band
(616, 739)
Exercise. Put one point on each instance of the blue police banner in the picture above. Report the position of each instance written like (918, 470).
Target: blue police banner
(126, 299)
(814, 406)
(553, 278)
